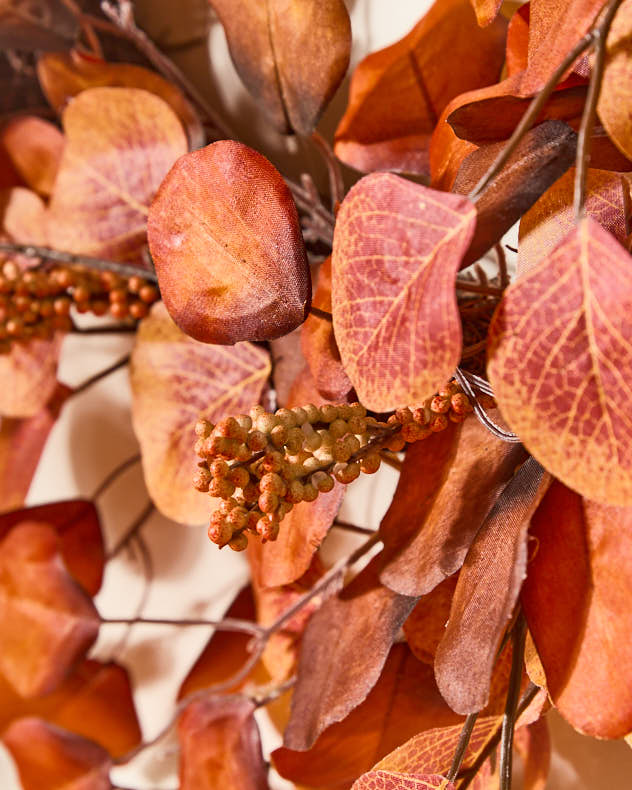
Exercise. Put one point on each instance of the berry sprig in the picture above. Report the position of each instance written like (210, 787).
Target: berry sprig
(262, 464)
(37, 302)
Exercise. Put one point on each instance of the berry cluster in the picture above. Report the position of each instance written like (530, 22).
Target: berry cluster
(36, 302)
(263, 464)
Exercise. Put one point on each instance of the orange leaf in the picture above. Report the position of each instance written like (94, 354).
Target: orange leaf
(21, 445)
(29, 376)
(552, 217)
(94, 702)
(516, 58)
(47, 756)
(120, 143)
(76, 521)
(614, 97)
(403, 702)
(63, 75)
(397, 248)
(487, 591)
(220, 746)
(398, 93)
(446, 489)
(23, 217)
(391, 780)
(225, 237)
(345, 646)
(486, 10)
(319, 344)
(46, 620)
(558, 361)
(175, 380)
(291, 57)
(35, 147)
(425, 626)
(578, 616)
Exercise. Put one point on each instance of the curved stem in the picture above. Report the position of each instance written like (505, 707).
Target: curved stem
(321, 313)
(132, 532)
(227, 624)
(118, 470)
(100, 375)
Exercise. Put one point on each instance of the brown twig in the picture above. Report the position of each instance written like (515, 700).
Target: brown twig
(132, 532)
(391, 459)
(464, 740)
(476, 288)
(503, 275)
(100, 375)
(321, 313)
(118, 470)
(353, 528)
(227, 624)
(519, 634)
(334, 171)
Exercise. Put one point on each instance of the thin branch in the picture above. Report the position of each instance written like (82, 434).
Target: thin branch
(132, 532)
(503, 274)
(104, 330)
(476, 348)
(509, 719)
(227, 624)
(475, 288)
(101, 375)
(336, 181)
(464, 740)
(118, 470)
(584, 138)
(86, 27)
(321, 313)
(481, 414)
(353, 528)
(530, 116)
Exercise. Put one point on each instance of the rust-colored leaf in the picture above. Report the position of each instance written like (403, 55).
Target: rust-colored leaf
(290, 55)
(220, 746)
(63, 75)
(29, 376)
(392, 780)
(319, 343)
(403, 702)
(578, 616)
(225, 237)
(46, 620)
(95, 701)
(543, 155)
(533, 744)
(120, 143)
(47, 756)
(174, 381)
(425, 626)
(552, 218)
(21, 445)
(76, 521)
(487, 591)
(446, 489)
(614, 97)
(559, 359)
(516, 54)
(397, 248)
(446, 152)
(344, 649)
(398, 93)
(35, 147)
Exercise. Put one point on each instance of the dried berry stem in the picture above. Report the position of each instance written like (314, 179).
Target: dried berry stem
(584, 138)
(519, 634)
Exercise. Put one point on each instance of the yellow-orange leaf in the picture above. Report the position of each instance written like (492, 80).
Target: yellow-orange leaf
(29, 376)
(175, 380)
(23, 216)
(614, 98)
(486, 10)
(120, 143)
(393, 780)
(560, 362)
(226, 241)
(35, 147)
(397, 248)
(63, 75)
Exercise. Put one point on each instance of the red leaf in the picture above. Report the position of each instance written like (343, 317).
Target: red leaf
(344, 649)
(398, 93)
(94, 702)
(398, 345)
(558, 361)
(403, 702)
(76, 521)
(35, 147)
(578, 616)
(120, 143)
(225, 238)
(47, 756)
(446, 489)
(291, 58)
(220, 746)
(46, 620)
(175, 380)
(486, 593)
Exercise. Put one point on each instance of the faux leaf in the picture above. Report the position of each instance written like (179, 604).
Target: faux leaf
(446, 489)
(425, 625)
(76, 521)
(579, 617)
(95, 701)
(344, 649)
(23, 217)
(558, 361)
(29, 376)
(392, 780)
(225, 238)
(35, 147)
(291, 56)
(47, 756)
(486, 593)
(614, 96)
(63, 75)
(397, 248)
(543, 155)
(220, 746)
(552, 217)
(403, 702)
(175, 380)
(46, 620)
(486, 10)
(120, 143)
(398, 93)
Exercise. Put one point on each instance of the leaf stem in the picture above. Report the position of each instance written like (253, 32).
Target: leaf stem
(227, 624)
(475, 288)
(584, 138)
(118, 470)
(353, 528)
(509, 719)
(321, 313)
(132, 532)
(336, 181)
(100, 375)
(464, 740)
